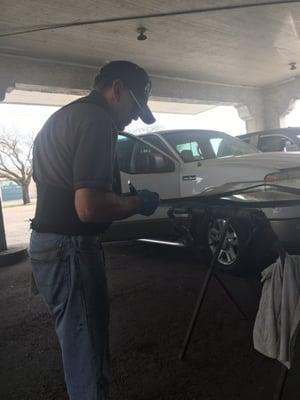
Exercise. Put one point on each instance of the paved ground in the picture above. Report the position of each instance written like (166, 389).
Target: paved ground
(153, 290)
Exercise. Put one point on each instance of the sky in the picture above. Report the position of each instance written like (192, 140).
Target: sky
(221, 118)
(293, 118)
(24, 118)
(28, 119)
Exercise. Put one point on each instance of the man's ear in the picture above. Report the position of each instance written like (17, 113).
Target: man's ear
(117, 88)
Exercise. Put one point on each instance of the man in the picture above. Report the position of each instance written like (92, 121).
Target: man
(75, 170)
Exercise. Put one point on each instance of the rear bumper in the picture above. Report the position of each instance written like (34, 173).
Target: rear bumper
(288, 232)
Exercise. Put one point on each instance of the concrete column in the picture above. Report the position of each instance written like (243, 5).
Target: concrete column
(3, 244)
(5, 84)
(3, 88)
(275, 109)
(252, 113)
(267, 110)
(279, 100)
(272, 117)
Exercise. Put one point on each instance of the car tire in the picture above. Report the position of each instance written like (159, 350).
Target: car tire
(236, 257)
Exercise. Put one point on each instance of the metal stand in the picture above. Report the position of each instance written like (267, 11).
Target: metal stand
(281, 383)
(210, 273)
(278, 394)
(231, 208)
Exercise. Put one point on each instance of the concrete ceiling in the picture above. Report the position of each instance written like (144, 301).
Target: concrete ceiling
(249, 46)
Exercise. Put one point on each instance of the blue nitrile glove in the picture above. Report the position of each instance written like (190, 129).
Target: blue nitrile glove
(150, 201)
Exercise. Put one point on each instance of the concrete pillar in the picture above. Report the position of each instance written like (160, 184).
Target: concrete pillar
(276, 106)
(6, 83)
(272, 116)
(3, 244)
(279, 100)
(252, 113)
(3, 88)
(267, 110)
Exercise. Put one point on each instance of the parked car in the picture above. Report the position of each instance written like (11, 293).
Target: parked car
(283, 139)
(182, 163)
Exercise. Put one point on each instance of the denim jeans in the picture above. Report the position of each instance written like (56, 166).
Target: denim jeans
(69, 274)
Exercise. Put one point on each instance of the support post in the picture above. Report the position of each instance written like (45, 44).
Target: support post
(3, 245)
(4, 84)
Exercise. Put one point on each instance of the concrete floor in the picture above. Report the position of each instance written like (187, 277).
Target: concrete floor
(152, 290)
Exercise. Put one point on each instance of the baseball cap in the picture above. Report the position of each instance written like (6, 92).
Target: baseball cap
(136, 80)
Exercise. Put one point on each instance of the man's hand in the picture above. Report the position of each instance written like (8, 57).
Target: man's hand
(149, 200)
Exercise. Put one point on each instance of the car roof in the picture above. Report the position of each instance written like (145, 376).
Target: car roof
(182, 130)
(291, 131)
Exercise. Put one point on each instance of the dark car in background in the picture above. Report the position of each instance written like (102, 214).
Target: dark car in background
(282, 139)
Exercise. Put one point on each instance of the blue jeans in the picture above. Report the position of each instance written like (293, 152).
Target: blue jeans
(70, 276)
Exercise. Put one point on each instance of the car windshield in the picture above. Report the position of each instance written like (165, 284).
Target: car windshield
(204, 145)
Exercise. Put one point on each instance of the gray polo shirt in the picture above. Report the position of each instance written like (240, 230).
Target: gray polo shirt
(74, 149)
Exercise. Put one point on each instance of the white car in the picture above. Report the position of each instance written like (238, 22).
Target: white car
(183, 163)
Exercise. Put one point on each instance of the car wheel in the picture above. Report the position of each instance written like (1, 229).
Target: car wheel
(233, 252)
(235, 257)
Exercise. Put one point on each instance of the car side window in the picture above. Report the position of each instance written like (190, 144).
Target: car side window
(156, 141)
(273, 143)
(190, 151)
(136, 157)
(146, 160)
(225, 148)
(215, 144)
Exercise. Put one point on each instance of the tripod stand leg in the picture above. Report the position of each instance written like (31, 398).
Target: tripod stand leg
(281, 383)
(230, 296)
(203, 291)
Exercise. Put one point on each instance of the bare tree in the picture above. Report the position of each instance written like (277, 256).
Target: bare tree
(16, 159)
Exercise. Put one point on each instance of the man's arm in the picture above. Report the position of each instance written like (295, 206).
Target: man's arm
(97, 206)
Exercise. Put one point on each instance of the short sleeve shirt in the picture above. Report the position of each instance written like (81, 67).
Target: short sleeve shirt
(76, 147)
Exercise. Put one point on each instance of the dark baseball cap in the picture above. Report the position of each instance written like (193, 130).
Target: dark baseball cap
(137, 82)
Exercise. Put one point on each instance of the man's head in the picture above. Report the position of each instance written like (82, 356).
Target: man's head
(126, 88)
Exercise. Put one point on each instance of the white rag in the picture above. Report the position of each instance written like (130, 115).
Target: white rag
(278, 316)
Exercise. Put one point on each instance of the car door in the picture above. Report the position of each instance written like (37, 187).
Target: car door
(146, 167)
